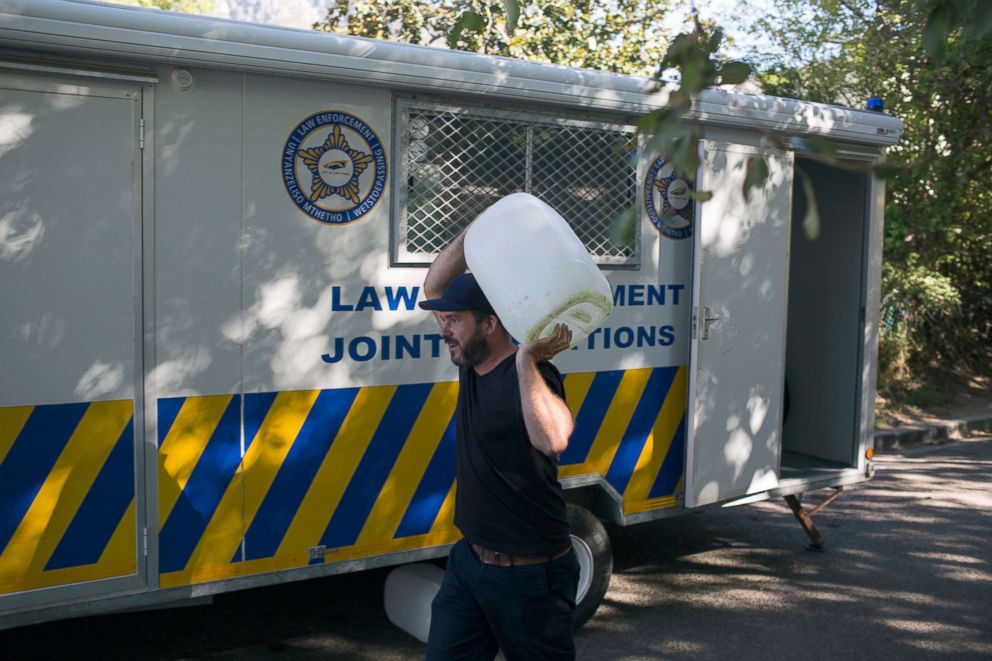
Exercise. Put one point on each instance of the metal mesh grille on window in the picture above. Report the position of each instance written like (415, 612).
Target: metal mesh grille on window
(458, 164)
(588, 176)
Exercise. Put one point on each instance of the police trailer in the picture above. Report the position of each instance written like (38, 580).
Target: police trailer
(213, 236)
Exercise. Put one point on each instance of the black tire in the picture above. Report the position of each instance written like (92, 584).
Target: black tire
(592, 547)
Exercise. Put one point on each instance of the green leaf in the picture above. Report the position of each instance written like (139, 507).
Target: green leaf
(470, 21)
(701, 195)
(692, 163)
(623, 228)
(666, 137)
(778, 142)
(512, 8)
(649, 122)
(734, 73)
(939, 24)
(811, 221)
(714, 41)
(817, 146)
(680, 156)
(680, 100)
(685, 157)
(757, 174)
(680, 45)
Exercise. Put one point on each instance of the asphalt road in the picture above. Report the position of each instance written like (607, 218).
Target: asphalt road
(907, 574)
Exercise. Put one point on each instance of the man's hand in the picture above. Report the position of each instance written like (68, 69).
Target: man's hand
(548, 347)
(547, 418)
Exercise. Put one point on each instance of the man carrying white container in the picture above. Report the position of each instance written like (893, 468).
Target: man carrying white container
(511, 582)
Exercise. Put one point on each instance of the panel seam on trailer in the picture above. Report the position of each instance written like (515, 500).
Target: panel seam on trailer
(241, 256)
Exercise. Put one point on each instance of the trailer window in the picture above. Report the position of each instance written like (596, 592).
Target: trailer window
(454, 162)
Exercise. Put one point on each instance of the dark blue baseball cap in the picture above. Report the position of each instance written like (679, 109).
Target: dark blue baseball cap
(462, 293)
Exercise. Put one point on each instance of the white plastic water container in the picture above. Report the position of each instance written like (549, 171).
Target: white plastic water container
(534, 270)
(408, 594)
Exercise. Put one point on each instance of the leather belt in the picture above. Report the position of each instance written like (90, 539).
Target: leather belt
(505, 560)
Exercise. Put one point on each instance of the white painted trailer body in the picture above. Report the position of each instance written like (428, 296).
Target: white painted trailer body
(212, 239)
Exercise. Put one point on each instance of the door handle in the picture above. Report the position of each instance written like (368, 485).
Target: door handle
(708, 319)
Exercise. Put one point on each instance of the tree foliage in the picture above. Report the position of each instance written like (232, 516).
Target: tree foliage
(623, 36)
(931, 62)
(694, 55)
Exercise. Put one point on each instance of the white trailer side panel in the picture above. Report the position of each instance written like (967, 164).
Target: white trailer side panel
(197, 378)
(67, 222)
(198, 215)
(69, 229)
(305, 276)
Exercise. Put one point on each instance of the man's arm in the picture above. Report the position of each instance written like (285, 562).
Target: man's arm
(547, 418)
(447, 265)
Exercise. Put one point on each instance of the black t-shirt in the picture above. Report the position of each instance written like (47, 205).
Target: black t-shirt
(508, 498)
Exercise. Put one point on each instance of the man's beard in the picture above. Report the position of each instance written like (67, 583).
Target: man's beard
(473, 352)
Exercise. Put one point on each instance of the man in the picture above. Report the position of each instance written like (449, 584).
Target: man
(511, 581)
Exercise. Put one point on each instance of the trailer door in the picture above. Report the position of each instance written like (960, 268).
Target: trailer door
(70, 357)
(740, 287)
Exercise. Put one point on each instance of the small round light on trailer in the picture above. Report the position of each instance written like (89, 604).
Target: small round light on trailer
(875, 103)
(870, 453)
(182, 80)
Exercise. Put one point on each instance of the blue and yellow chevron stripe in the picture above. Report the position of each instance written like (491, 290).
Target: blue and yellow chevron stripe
(253, 484)
(67, 488)
(630, 429)
(358, 471)
(367, 471)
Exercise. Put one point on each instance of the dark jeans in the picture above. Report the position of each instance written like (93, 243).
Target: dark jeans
(525, 611)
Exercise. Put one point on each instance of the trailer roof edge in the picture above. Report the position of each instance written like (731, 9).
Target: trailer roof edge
(91, 29)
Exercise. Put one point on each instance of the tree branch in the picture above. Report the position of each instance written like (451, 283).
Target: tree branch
(857, 12)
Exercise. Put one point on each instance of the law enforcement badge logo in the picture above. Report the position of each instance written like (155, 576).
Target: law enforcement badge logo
(667, 201)
(334, 167)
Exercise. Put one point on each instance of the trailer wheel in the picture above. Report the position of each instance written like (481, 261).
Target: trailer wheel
(592, 549)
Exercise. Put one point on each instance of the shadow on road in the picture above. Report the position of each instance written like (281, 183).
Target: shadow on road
(339, 617)
(907, 574)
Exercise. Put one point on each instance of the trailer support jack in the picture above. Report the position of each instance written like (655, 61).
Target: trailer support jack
(805, 518)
